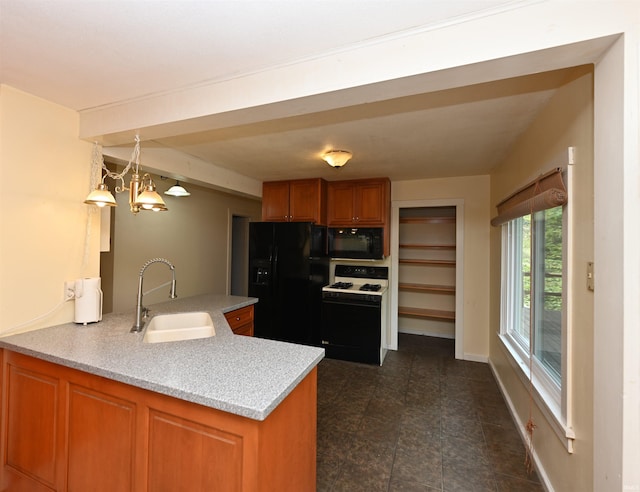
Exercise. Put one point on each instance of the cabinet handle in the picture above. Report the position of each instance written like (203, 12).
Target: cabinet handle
(237, 318)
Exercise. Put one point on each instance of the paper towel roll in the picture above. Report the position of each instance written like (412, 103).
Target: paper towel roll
(88, 300)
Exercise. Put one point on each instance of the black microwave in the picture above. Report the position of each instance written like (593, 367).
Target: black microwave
(365, 243)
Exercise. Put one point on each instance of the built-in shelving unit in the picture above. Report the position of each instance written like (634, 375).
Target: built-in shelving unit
(426, 283)
(428, 246)
(426, 262)
(426, 313)
(442, 289)
(428, 220)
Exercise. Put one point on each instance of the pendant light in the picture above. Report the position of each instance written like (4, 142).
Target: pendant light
(142, 190)
(177, 190)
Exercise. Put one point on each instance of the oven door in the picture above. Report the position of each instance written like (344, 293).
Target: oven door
(351, 330)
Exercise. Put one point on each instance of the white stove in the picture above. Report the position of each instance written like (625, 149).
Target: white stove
(357, 279)
(354, 315)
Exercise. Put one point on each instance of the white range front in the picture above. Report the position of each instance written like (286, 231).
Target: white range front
(354, 317)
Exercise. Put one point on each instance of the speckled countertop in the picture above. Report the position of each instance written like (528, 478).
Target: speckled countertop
(237, 374)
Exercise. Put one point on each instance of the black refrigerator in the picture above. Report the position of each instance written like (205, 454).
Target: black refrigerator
(288, 266)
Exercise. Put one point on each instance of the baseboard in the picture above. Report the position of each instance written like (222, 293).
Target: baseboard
(544, 479)
(476, 358)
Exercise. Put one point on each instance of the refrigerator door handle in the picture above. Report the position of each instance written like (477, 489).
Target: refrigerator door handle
(274, 267)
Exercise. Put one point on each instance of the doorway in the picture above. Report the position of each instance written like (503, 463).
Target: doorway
(238, 278)
(427, 270)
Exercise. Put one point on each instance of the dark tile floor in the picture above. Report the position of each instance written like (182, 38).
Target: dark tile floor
(424, 421)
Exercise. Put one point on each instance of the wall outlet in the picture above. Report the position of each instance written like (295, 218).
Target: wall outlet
(69, 291)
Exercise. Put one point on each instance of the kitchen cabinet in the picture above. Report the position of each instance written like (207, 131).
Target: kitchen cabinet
(359, 202)
(302, 200)
(241, 321)
(426, 281)
(65, 429)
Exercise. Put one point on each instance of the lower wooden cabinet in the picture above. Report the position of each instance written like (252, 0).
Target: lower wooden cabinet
(66, 430)
(210, 457)
(241, 321)
(33, 453)
(101, 437)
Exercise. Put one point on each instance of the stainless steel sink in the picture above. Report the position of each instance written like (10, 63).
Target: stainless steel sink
(179, 326)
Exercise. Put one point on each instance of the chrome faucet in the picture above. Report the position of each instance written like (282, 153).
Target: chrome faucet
(139, 308)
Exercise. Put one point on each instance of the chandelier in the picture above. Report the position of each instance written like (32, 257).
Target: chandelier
(142, 189)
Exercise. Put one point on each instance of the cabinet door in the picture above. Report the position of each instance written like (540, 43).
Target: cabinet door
(34, 440)
(186, 455)
(306, 200)
(371, 203)
(275, 201)
(340, 204)
(101, 441)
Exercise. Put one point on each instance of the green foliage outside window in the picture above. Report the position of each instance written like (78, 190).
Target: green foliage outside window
(552, 258)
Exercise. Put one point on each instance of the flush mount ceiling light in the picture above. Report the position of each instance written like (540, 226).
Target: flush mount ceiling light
(177, 190)
(337, 158)
(142, 189)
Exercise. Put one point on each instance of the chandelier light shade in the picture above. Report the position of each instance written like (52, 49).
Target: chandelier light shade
(337, 158)
(101, 197)
(149, 199)
(142, 190)
(177, 190)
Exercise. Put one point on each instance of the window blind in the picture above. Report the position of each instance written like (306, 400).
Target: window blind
(547, 191)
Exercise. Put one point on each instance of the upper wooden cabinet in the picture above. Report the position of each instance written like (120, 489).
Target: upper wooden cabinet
(359, 202)
(300, 200)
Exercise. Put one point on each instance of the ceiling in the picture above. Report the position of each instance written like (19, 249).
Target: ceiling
(88, 55)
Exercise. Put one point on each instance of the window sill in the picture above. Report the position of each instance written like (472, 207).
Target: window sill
(542, 400)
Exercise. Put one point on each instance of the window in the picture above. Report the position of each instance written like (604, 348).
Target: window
(532, 298)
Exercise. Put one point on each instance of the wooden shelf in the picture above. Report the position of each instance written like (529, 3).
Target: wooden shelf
(428, 262)
(428, 246)
(426, 313)
(427, 220)
(431, 288)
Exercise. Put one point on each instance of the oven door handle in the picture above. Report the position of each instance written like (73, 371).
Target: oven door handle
(350, 302)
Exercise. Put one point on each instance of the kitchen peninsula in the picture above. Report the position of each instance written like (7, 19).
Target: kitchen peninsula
(96, 408)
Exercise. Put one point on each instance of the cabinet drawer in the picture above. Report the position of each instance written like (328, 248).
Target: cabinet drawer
(246, 330)
(240, 317)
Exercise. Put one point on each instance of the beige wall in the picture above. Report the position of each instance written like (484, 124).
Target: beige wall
(566, 121)
(474, 192)
(47, 233)
(193, 235)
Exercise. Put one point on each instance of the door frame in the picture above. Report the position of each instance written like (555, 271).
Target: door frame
(232, 262)
(396, 205)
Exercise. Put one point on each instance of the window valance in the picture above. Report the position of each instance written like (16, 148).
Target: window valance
(547, 191)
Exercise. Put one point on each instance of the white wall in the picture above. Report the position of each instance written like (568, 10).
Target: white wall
(47, 233)
(567, 121)
(617, 242)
